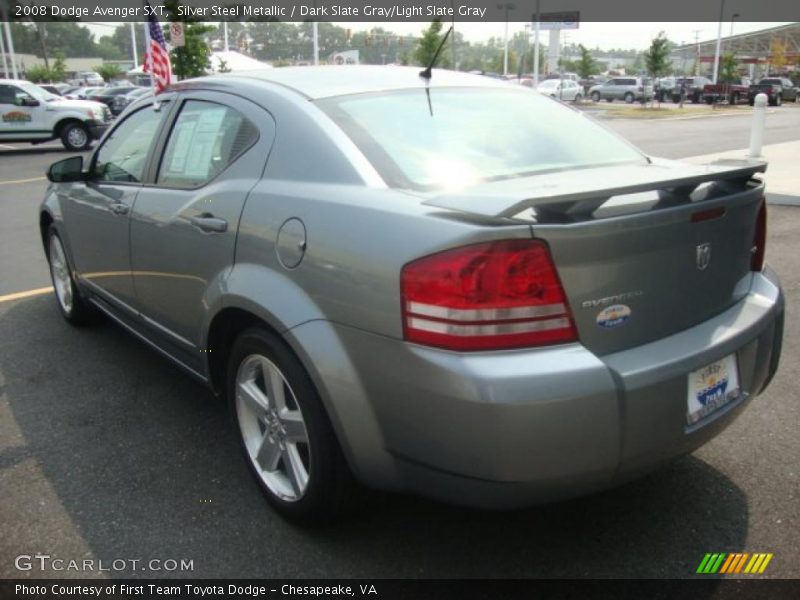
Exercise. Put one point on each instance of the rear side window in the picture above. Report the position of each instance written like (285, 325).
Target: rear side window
(474, 135)
(122, 157)
(206, 138)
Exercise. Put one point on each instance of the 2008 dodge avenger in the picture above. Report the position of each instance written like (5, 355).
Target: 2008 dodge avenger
(445, 285)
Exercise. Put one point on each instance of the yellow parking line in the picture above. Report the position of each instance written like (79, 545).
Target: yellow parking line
(27, 294)
(22, 180)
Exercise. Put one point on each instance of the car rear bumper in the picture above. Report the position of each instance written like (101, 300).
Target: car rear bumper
(513, 428)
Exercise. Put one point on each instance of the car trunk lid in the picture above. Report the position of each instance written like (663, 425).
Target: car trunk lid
(664, 247)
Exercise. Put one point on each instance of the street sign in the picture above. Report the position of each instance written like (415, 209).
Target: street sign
(558, 20)
(176, 36)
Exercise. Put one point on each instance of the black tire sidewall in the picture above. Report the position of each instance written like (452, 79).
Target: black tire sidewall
(328, 472)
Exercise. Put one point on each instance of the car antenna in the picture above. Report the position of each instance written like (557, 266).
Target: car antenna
(427, 72)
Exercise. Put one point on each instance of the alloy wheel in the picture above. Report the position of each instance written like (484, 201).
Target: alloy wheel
(62, 281)
(273, 428)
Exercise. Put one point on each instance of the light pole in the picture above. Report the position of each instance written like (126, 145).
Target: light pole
(719, 41)
(133, 45)
(507, 7)
(536, 48)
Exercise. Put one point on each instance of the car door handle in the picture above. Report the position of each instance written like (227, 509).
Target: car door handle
(118, 208)
(207, 222)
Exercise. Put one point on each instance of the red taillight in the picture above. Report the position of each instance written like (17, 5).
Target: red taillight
(760, 239)
(489, 296)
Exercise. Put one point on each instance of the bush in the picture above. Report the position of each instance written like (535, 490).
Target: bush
(39, 74)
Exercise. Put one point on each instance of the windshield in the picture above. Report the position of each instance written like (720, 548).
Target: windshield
(474, 135)
(40, 94)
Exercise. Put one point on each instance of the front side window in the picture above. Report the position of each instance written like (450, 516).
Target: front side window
(206, 138)
(123, 155)
(475, 134)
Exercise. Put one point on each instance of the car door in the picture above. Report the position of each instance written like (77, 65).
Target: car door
(97, 212)
(22, 115)
(184, 223)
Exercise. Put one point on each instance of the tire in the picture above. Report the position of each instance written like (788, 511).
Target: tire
(307, 479)
(75, 137)
(709, 101)
(778, 100)
(752, 102)
(577, 99)
(629, 98)
(595, 96)
(72, 306)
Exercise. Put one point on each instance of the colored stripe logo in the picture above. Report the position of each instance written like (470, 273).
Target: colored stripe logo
(736, 562)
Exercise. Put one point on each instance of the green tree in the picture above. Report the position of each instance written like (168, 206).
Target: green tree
(194, 58)
(586, 65)
(38, 74)
(428, 44)
(58, 71)
(657, 57)
(108, 71)
(729, 71)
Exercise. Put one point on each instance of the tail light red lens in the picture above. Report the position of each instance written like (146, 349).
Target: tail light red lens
(490, 296)
(760, 239)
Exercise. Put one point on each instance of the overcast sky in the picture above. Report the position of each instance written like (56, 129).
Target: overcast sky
(604, 35)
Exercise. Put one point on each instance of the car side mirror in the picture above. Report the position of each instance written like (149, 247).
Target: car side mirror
(67, 170)
(30, 102)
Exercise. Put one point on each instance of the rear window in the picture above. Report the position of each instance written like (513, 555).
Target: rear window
(474, 135)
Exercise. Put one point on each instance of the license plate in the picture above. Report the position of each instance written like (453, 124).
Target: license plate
(711, 388)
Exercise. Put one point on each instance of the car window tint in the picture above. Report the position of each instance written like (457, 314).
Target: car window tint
(123, 154)
(205, 139)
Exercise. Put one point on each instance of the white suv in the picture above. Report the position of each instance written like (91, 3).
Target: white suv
(29, 113)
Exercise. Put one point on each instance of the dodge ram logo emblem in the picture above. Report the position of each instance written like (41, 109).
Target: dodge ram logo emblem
(703, 256)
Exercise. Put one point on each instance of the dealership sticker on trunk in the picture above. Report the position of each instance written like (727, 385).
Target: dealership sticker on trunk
(712, 387)
(613, 316)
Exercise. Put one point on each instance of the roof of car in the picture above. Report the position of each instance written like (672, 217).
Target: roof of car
(327, 81)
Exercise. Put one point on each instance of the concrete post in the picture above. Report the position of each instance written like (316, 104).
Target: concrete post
(759, 123)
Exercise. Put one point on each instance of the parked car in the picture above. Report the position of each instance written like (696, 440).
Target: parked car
(441, 304)
(121, 101)
(32, 114)
(730, 92)
(49, 88)
(561, 89)
(777, 89)
(81, 92)
(689, 88)
(88, 78)
(664, 87)
(623, 88)
(106, 95)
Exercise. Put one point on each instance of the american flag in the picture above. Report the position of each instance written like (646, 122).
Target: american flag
(156, 57)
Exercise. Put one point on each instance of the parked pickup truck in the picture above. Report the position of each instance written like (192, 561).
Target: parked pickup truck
(29, 113)
(777, 90)
(732, 93)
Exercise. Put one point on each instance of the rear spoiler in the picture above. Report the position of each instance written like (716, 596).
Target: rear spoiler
(575, 194)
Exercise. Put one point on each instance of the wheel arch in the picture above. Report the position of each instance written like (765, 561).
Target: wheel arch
(63, 122)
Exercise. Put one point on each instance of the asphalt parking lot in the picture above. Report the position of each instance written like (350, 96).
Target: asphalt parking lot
(108, 452)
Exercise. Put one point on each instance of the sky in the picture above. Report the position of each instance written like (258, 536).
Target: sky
(602, 35)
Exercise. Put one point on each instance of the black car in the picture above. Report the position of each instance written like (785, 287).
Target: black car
(106, 95)
(777, 89)
(121, 101)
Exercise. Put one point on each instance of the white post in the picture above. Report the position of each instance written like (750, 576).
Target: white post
(133, 45)
(225, 28)
(3, 52)
(11, 54)
(536, 49)
(315, 30)
(719, 42)
(759, 123)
